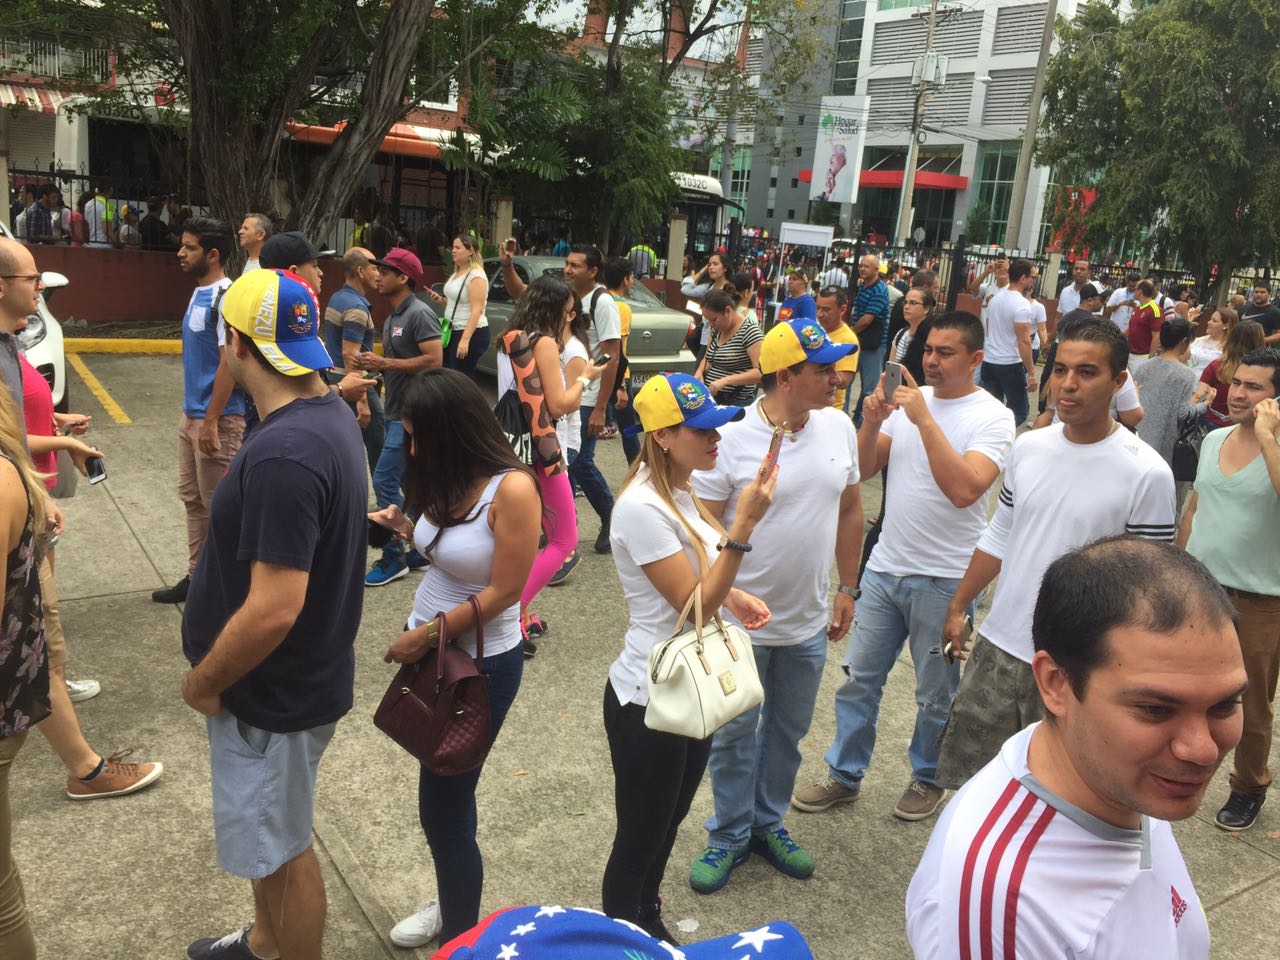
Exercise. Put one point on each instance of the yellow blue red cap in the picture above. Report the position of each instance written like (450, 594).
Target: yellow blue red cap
(799, 341)
(279, 312)
(679, 400)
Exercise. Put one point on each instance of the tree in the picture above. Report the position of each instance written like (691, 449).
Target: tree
(1170, 114)
(243, 69)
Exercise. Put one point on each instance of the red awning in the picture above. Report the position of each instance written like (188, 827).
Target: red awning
(925, 180)
(805, 176)
(405, 139)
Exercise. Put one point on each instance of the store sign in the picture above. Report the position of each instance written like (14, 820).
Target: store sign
(837, 158)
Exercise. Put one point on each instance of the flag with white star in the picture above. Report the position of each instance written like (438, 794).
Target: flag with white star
(576, 933)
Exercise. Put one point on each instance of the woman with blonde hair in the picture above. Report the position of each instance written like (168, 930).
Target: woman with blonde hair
(1206, 349)
(24, 667)
(465, 295)
(1247, 335)
(665, 546)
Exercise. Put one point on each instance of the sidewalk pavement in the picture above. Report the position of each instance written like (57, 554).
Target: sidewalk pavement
(137, 876)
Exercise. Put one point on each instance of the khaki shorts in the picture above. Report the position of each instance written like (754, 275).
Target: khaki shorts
(56, 643)
(998, 697)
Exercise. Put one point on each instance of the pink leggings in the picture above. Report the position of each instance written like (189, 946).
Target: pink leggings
(560, 521)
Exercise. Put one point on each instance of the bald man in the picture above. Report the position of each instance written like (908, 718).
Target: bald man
(348, 330)
(20, 287)
(870, 319)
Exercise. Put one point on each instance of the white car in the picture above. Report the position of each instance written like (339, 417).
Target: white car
(41, 341)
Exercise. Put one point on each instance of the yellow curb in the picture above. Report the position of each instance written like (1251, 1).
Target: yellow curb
(111, 345)
(114, 410)
(130, 345)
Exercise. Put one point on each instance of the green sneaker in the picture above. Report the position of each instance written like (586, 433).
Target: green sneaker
(783, 853)
(711, 871)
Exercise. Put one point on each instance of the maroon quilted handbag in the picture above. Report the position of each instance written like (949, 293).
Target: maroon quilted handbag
(438, 708)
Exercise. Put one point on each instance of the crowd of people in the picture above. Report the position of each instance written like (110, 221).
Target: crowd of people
(1096, 701)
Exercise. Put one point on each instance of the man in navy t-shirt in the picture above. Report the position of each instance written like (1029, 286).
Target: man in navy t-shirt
(273, 610)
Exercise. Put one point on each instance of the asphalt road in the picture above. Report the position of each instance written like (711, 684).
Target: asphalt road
(137, 876)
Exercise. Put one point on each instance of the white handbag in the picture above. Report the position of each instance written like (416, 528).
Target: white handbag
(701, 679)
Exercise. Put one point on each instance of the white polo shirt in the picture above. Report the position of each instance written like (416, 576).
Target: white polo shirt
(1015, 871)
(793, 547)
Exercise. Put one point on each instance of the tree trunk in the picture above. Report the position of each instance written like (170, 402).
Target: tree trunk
(238, 150)
(338, 175)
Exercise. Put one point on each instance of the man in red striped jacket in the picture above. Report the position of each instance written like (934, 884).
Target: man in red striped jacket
(1061, 845)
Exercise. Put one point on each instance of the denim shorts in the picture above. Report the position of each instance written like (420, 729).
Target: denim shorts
(264, 787)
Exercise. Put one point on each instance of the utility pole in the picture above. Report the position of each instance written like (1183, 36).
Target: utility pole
(1018, 201)
(927, 74)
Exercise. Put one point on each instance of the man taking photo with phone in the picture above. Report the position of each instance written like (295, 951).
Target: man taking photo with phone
(946, 443)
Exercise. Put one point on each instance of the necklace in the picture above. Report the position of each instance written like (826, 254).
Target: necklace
(789, 432)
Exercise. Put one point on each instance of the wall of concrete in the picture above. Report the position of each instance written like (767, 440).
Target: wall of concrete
(143, 286)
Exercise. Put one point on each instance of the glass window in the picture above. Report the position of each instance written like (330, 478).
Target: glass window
(989, 215)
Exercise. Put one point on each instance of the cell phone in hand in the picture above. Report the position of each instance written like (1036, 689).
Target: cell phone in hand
(95, 469)
(602, 360)
(511, 245)
(775, 442)
(892, 379)
(966, 637)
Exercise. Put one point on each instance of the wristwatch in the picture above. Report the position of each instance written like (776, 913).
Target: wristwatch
(733, 545)
(854, 592)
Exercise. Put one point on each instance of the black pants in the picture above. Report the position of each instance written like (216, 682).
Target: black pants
(655, 776)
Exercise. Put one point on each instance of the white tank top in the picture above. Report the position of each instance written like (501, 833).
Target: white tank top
(461, 566)
(457, 293)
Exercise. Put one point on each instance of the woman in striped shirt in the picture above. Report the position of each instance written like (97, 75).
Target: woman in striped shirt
(731, 365)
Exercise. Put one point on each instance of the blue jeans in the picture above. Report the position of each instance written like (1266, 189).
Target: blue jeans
(475, 350)
(754, 758)
(891, 610)
(1007, 382)
(586, 475)
(372, 434)
(447, 810)
(870, 366)
(387, 478)
(627, 421)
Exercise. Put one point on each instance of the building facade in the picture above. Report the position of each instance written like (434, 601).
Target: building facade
(972, 123)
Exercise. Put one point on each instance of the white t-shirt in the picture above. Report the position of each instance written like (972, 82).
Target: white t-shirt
(793, 547)
(1122, 314)
(129, 235)
(569, 428)
(251, 264)
(924, 533)
(1038, 320)
(606, 324)
(1032, 875)
(95, 221)
(1058, 496)
(457, 293)
(1006, 309)
(644, 530)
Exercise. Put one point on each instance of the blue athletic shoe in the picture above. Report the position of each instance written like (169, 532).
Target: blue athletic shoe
(385, 571)
(234, 946)
(415, 560)
(562, 574)
(783, 853)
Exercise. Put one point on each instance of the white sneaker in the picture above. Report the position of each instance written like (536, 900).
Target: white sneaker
(80, 690)
(421, 928)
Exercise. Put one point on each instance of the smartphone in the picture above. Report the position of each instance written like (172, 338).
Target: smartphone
(96, 469)
(511, 245)
(373, 376)
(603, 359)
(892, 379)
(775, 442)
